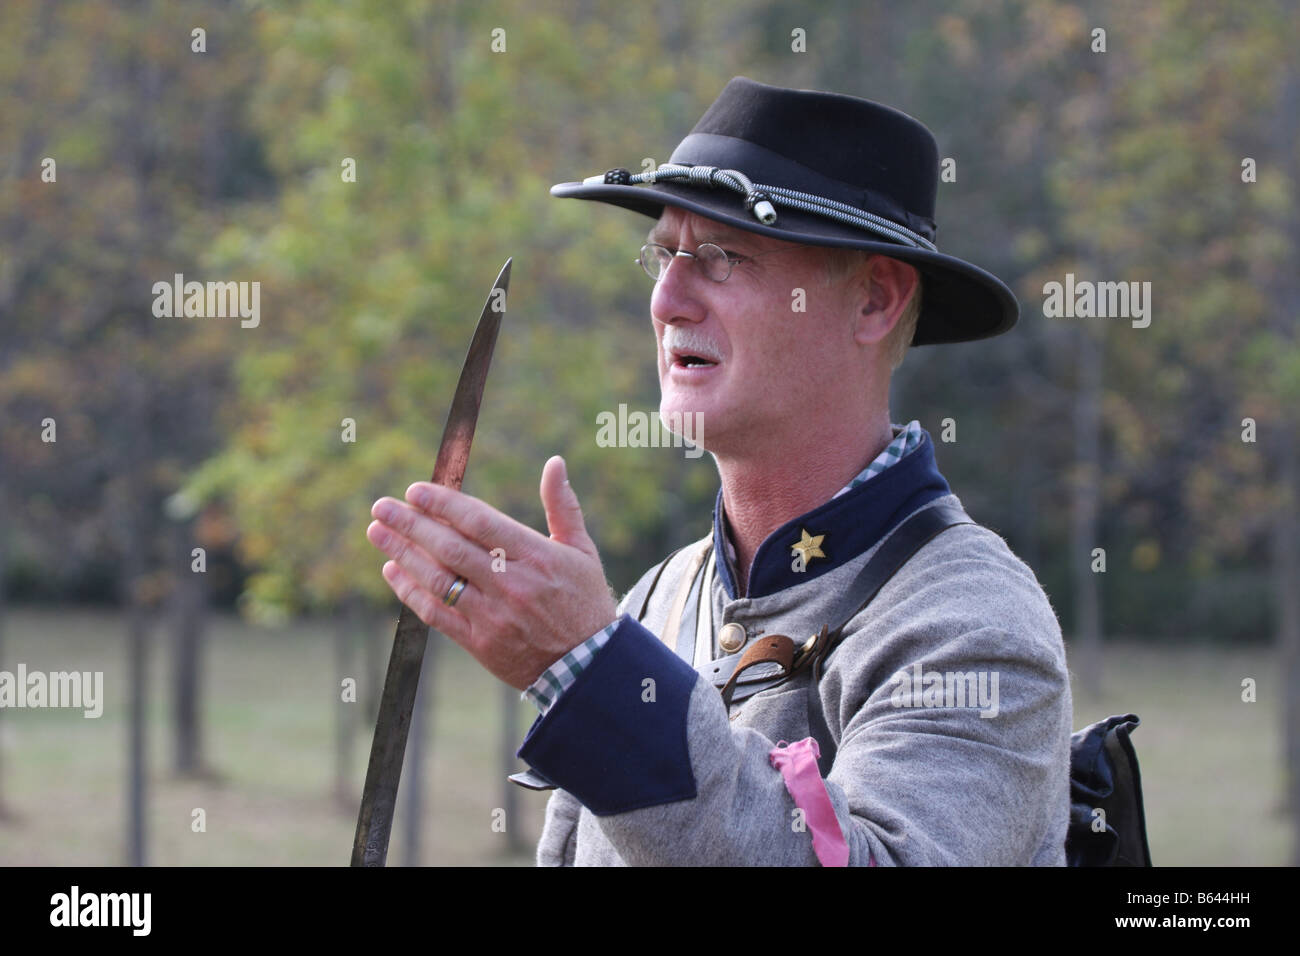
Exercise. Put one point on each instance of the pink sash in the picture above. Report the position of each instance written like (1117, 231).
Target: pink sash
(798, 765)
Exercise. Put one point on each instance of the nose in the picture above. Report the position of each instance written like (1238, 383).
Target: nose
(675, 295)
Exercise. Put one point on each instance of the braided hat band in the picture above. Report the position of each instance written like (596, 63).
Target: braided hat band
(761, 200)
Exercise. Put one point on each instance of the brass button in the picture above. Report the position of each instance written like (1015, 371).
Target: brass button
(732, 637)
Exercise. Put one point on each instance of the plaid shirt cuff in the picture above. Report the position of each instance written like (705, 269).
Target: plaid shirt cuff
(546, 690)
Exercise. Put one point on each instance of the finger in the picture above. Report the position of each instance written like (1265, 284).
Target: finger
(430, 574)
(563, 512)
(444, 544)
(428, 608)
(476, 520)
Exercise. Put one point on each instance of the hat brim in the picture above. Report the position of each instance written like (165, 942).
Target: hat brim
(961, 302)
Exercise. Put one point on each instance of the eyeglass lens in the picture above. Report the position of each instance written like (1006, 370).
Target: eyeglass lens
(712, 259)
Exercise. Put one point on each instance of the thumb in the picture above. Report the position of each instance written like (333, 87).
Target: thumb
(563, 513)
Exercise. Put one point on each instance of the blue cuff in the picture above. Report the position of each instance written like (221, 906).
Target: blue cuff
(616, 739)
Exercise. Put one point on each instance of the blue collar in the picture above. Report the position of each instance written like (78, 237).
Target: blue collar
(848, 525)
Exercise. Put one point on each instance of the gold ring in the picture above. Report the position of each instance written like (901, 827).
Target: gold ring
(454, 592)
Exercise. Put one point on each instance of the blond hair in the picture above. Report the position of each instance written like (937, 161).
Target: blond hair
(842, 262)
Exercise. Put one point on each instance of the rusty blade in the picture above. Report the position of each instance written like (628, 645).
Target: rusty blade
(458, 434)
(384, 772)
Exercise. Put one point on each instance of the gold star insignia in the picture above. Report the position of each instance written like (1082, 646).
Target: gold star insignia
(809, 546)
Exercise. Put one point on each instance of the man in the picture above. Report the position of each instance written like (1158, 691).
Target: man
(794, 261)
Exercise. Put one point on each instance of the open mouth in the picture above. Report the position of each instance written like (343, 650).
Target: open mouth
(692, 358)
(692, 361)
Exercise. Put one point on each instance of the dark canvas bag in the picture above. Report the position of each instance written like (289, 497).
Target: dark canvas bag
(1107, 821)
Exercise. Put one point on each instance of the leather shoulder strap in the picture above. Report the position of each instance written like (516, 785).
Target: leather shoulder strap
(903, 542)
(685, 588)
(638, 599)
(908, 538)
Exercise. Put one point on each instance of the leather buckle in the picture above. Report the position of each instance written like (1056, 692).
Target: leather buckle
(767, 651)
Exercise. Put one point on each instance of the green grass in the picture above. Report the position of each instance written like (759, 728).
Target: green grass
(269, 735)
(1212, 771)
(1211, 766)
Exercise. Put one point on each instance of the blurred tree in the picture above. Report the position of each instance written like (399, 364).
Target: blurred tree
(124, 143)
(1171, 193)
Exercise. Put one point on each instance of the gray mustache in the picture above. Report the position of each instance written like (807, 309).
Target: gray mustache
(688, 340)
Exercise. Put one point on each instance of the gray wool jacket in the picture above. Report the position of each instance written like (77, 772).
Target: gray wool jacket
(921, 776)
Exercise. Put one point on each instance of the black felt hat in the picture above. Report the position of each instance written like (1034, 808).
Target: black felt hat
(822, 169)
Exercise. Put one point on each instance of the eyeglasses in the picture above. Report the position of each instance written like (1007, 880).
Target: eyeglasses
(714, 261)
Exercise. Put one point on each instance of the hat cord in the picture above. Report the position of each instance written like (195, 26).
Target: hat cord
(760, 199)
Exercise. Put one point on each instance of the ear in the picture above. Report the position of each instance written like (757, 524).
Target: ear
(888, 286)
